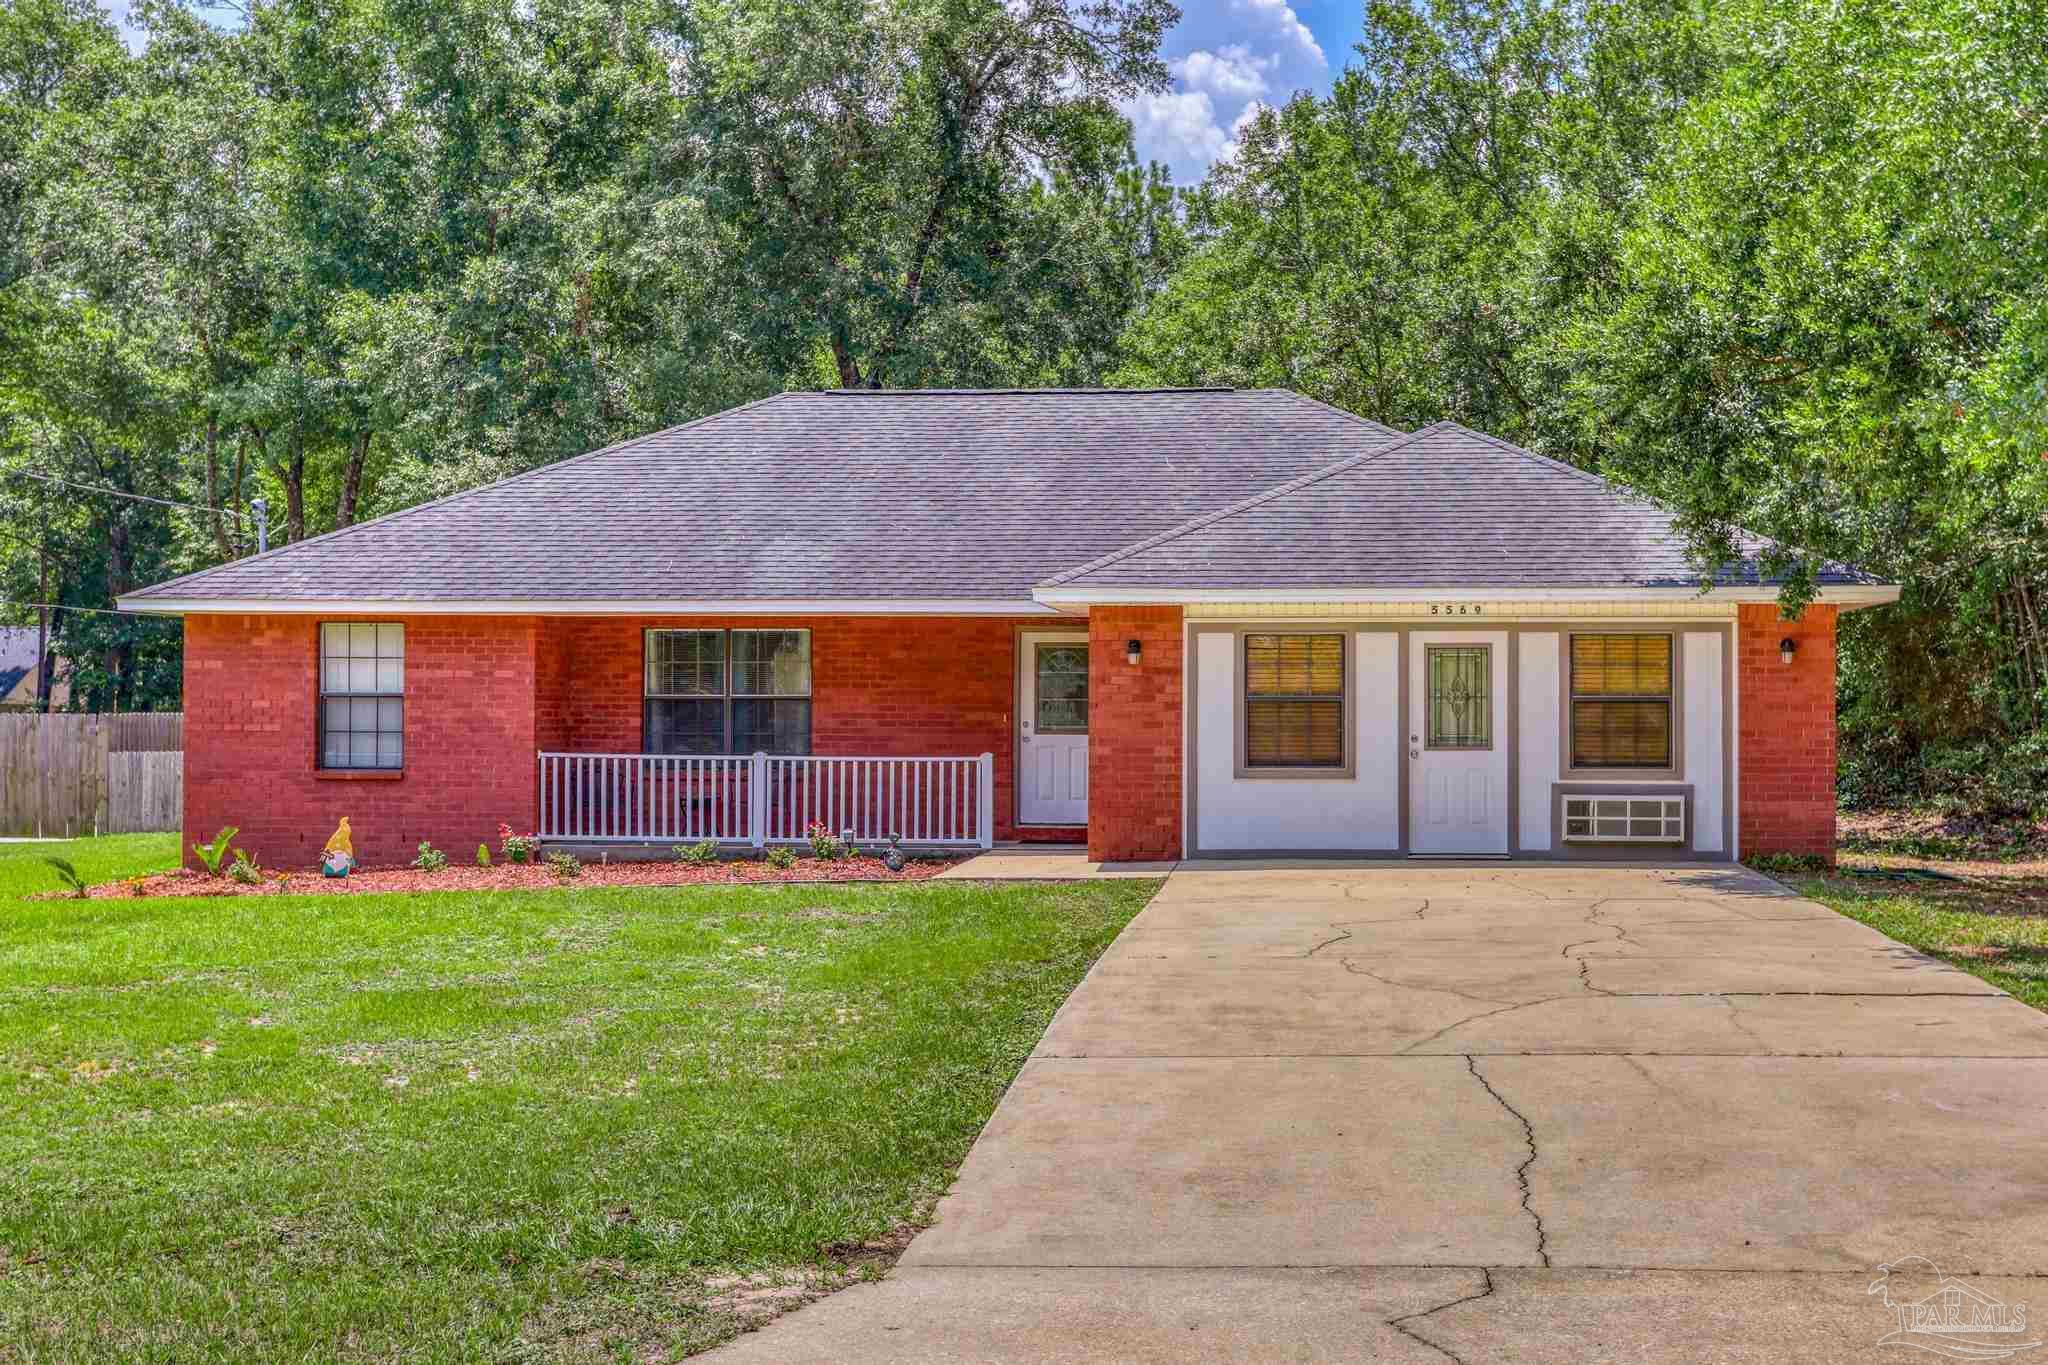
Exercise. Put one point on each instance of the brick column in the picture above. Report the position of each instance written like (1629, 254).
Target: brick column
(1134, 734)
(1787, 744)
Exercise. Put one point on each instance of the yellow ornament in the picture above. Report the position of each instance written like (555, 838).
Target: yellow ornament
(340, 843)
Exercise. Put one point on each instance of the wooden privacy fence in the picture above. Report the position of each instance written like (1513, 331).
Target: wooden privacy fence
(63, 775)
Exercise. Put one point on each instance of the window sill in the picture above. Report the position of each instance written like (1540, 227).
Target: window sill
(358, 774)
(1301, 774)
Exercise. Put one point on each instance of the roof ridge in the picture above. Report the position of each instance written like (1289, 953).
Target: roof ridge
(1546, 461)
(627, 444)
(1243, 505)
(1344, 413)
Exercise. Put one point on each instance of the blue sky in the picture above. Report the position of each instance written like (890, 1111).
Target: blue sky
(1229, 56)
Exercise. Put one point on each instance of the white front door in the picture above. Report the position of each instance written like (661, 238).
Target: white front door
(1052, 731)
(1457, 742)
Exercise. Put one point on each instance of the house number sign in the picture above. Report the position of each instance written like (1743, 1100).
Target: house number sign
(1457, 609)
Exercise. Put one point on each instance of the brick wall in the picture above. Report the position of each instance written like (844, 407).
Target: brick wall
(1134, 734)
(483, 693)
(251, 686)
(1787, 742)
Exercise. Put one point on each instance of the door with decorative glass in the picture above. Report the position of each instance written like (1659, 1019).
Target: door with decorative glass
(1457, 743)
(1052, 731)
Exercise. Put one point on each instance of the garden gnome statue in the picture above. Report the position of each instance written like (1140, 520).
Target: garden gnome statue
(341, 853)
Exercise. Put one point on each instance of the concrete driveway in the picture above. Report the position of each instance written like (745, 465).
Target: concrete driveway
(1517, 1113)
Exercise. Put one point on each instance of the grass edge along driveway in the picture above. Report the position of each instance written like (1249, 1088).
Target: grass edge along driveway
(500, 1126)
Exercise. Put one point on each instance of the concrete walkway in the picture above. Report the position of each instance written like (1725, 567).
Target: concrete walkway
(1408, 1112)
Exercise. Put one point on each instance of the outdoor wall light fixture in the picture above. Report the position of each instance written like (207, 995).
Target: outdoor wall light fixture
(1786, 649)
(1133, 651)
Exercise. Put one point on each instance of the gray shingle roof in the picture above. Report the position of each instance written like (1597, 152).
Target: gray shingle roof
(936, 494)
(1445, 507)
(928, 494)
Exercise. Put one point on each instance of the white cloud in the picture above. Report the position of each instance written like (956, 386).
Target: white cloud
(1231, 72)
(1227, 58)
(1280, 16)
(1178, 127)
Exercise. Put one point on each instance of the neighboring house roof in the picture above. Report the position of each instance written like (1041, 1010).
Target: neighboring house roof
(970, 497)
(1445, 507)
(17, 660)
(849, 494)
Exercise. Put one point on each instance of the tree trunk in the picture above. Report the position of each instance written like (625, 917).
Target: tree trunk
(214, 498)
(352, 479)
(120, 655)
(293, 473)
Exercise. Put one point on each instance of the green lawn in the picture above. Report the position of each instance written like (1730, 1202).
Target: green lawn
(491, 1127)
(24, 873)
(1991, 927)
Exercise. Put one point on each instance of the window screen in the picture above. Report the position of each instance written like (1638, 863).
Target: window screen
(1621, 701)
(1294, 701)
(728, 692)
(362, 694)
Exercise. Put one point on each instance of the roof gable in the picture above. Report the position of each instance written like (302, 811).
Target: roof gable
(1445, 507)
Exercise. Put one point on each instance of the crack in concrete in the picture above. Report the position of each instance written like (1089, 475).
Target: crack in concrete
(1475, 1018)
(1400, 1324)
(1345, 934)
(1742, 1025)
(1351, 966)
(1521, 1171)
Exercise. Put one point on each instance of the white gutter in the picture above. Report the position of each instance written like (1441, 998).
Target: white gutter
(585, 606)
(1067, 598)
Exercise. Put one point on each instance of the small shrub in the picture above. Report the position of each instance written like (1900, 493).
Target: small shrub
(564, 866)
(212, 854)
(68, 874)
(483, 855)
(697, 855)
(782, 858)
(431, 859)
(244, 869)
(135, 885)
(825, 845)
(518, 848)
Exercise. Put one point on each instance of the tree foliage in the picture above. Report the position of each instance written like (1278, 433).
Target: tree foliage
(1778, 265)
(351, 254)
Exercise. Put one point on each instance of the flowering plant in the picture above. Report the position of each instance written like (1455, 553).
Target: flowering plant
(824, 843)
(517, 847)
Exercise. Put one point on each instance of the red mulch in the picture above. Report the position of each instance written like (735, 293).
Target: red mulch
(528, 877)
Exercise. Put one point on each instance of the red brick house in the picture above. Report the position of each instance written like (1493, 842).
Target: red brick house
(1171, 623)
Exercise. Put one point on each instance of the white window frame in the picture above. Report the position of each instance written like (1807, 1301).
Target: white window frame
(355, 679)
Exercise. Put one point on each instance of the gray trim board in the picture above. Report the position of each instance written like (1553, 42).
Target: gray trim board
(1348, 698)
(1669, 772)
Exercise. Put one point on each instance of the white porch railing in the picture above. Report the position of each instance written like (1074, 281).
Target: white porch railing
(764, 799)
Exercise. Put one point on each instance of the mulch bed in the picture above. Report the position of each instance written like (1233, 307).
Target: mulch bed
(526, 877)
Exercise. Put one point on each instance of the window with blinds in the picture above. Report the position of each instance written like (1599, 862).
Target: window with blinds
(1621, 701)
(1294, 701)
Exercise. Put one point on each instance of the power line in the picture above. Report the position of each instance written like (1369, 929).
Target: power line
(137, 497)
(66, 606)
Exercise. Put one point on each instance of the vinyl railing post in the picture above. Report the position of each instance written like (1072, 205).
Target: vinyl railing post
(757, 799)
(985, 800)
